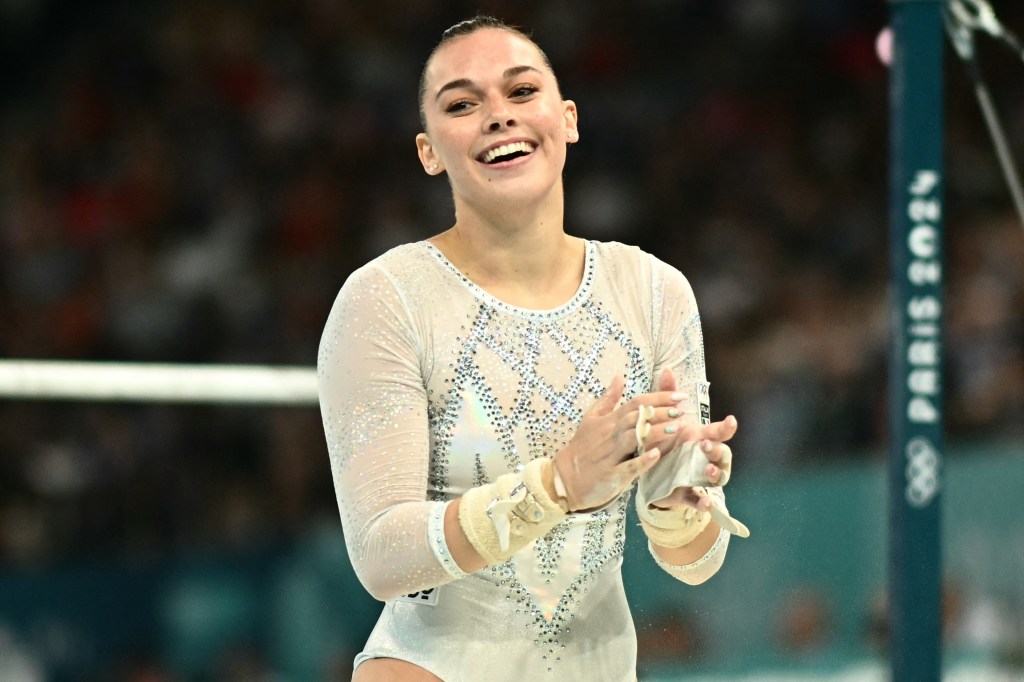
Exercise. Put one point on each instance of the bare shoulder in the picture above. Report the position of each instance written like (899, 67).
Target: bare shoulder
(392, 670)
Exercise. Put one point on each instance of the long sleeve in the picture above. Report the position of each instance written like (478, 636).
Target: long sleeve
(679, 345)
(374, 408)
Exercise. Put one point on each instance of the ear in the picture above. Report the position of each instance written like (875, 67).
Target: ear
(425, 150)
(571, 115)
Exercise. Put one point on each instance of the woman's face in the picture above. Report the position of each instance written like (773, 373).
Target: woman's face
(496, 122)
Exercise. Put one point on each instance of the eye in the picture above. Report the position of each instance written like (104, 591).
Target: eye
(523, 90)
(457, 106)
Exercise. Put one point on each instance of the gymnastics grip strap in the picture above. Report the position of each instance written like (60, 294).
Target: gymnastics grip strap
(681, 468)
(501, 518)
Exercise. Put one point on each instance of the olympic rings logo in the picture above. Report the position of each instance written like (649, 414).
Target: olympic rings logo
(923, 463)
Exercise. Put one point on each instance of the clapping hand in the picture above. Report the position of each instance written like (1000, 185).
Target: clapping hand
(616, 443)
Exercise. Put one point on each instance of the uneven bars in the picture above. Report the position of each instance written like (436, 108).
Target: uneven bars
(168, 383)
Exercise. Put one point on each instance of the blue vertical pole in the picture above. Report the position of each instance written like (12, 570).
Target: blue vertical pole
(915, 377)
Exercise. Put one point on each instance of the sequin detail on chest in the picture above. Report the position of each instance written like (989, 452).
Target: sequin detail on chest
(517, 387)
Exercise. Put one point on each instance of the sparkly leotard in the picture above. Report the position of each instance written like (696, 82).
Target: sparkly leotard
(430, 386)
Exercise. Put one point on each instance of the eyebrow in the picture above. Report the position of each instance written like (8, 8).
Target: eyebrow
(467, 83)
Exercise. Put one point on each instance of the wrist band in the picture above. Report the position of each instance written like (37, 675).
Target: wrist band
(438, 543)
(502, 517)
(673, 527)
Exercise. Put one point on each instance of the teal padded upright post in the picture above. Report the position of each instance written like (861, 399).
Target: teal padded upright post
(915, 377)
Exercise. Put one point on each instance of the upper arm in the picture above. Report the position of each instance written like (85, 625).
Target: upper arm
(374, 409)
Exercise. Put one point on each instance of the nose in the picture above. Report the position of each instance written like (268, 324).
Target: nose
(495, 126)
(499, 117)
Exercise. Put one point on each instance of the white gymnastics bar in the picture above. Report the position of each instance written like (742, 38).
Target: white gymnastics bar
(166, 383)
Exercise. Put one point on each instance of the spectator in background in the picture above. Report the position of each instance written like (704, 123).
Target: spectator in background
(192, 182)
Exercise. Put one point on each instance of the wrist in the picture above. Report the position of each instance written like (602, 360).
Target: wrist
(674, 527)
(500, 518)
(554, 486)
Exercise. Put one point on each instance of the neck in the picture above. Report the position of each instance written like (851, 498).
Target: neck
(519, 255)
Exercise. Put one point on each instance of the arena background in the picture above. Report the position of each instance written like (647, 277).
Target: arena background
(192, 182)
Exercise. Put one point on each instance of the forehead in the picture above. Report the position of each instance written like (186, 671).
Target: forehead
(483, 54)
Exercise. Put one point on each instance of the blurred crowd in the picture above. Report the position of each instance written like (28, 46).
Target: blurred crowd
(192, 180)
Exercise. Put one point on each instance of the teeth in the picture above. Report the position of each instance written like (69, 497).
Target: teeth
(506, 149)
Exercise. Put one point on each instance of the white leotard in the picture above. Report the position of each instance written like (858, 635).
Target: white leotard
(430, 386)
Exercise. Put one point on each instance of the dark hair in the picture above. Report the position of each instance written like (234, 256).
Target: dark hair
(464, 28)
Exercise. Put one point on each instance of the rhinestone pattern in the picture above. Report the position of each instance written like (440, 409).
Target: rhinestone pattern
(550, 623)
(541, 416)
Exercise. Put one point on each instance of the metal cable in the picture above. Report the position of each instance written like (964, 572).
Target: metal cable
(963, 19)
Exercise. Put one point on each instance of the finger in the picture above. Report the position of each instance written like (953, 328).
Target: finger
(635, 466)
(663, 415)
(703, 503)
(729, 425)
(612, 395)
(717, 453)
(629, 433)
(661, 400)
(633, 420)
(719, 467)
(721, 430)
(715, 431)
(667, 381)
(663, 434)
(715, 475)
(673, 413)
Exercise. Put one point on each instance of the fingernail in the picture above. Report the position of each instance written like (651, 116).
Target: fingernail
(671, 428)
(678, 396)
(706, 446)
(653, 453)
(673, 413)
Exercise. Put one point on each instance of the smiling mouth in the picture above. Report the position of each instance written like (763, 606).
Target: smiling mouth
(507, 152)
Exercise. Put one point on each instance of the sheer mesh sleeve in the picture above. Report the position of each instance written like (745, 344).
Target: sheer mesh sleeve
(374, 408)
(679, 345)
(703, 568)
(678, 339)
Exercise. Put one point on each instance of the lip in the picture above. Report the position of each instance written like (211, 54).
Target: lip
(512, 162)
